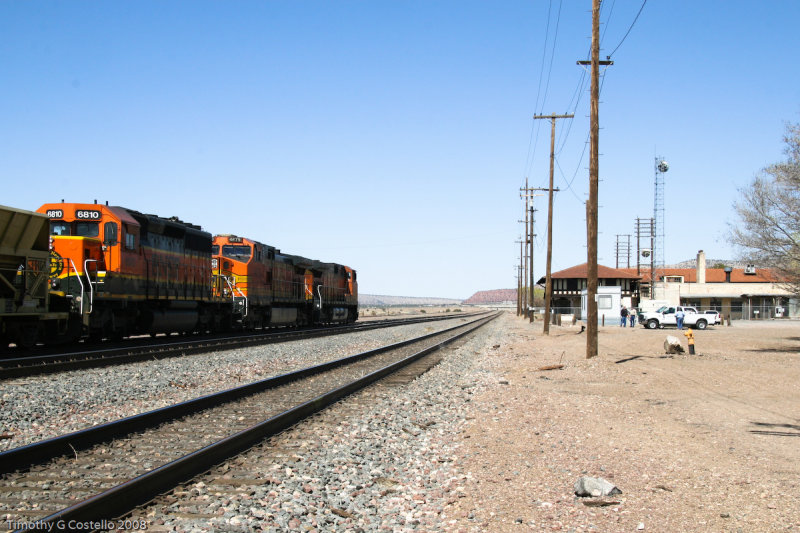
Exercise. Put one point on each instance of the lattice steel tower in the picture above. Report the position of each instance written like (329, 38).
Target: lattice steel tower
(660, 167)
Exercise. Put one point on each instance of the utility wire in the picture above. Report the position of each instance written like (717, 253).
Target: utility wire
(552, 55)
(629, 29)
(580, 160)
(550, 68)
(563, 135)
(534, 137)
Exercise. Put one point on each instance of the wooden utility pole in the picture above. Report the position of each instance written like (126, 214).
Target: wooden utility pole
(591, 212)
(591, 205)
(520, 296)
(527, 193)
(530, 254)
(548, 290)
(623, 248)
(519, 286)
(527, 265)
(523, 250)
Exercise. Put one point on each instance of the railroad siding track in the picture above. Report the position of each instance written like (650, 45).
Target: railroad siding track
(132, 351)
(38, 405)
(44, 489)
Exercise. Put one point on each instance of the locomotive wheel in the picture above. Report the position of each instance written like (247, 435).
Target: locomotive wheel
(28, 336)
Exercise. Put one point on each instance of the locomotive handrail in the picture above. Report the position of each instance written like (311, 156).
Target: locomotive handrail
(234, 288)
(80, 281)
(89, 281)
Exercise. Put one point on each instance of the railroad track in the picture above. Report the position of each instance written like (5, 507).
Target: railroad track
(166, 347)
(105, 471)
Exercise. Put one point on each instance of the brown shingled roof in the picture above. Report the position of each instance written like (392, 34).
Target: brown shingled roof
(582, 272)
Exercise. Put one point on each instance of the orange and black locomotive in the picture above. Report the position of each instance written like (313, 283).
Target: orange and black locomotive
(272, 288)
(134, 273)
(115, 272)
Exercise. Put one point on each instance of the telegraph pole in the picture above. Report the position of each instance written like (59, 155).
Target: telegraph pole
(591, 205)
(530, 253)
(548, 291)
(519, 286)
(521, 277)
(623, 249)
(528, 194)
(523, 251)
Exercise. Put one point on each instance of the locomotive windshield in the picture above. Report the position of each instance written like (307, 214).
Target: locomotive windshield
(79, 229)
(59, 228)
(236, 252)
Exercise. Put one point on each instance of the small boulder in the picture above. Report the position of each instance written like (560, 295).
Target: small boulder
(595, 487)
(672, 345)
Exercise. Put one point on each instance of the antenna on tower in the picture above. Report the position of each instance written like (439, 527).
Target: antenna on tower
(660, 168)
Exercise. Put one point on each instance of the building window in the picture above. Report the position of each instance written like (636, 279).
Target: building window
(604, 301)
(673, 279)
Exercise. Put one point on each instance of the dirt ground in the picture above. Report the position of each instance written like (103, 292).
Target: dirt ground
(374, 313)
(709, 442)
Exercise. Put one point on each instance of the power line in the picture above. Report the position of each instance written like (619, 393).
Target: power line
(629, 29)
(534, 137)
(583, 152)
(552, 55)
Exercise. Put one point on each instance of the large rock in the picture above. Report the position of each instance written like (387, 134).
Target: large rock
(594, 487)
(672, 345)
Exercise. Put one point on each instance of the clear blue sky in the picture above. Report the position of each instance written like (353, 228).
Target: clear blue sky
(394, 136)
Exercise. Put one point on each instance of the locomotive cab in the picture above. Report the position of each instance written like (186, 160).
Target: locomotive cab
(230, 257)
(77, 261)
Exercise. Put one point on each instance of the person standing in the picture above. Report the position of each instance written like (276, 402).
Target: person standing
(679, 317)
(623, 313)
(633, 316)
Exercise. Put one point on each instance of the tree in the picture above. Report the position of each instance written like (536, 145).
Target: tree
(768, 227)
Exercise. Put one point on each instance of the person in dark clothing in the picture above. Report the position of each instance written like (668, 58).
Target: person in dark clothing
(623, 316)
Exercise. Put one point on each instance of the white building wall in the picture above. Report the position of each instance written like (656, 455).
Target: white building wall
(609, 301)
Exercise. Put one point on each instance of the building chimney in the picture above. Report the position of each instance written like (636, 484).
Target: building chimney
(701, 266)
(728, 271)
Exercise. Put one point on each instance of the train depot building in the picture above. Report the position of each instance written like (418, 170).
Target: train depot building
(748, 293)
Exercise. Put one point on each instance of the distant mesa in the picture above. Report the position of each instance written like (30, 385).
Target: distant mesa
(378, 300)
(494, 297)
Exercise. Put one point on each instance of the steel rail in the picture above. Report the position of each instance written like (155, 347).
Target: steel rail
(123, 498)
(24, 456)
(51, 364)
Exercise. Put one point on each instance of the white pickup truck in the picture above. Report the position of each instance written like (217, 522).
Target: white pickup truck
(665, 316)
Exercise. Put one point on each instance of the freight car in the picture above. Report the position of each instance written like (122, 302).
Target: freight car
(271, 288)
(28, 312)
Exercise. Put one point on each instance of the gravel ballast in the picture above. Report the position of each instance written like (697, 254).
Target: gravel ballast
(46, 406)
(377, 461)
